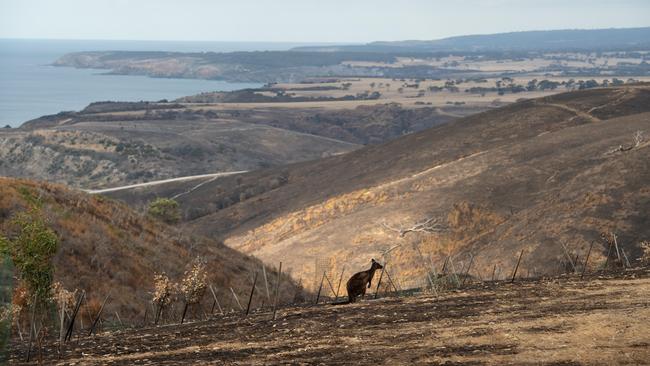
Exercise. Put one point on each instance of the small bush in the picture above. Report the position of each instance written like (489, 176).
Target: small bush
(164, 209)
(194, 283)
(163, 290)
(32, 251)
(63, 298)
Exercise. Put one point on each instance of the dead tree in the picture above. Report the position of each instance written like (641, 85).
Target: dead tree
(637, 140)
(430, 225)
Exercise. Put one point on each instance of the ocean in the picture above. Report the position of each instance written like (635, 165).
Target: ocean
(30, 87)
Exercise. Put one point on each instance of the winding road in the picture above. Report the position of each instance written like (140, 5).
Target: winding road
(157, 182)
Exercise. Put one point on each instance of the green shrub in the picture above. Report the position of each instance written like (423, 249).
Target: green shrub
(164, 209)
(31, 252)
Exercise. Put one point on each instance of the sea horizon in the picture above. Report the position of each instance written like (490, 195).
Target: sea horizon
(31, 87)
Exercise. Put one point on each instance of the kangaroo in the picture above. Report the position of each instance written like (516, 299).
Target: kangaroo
(358, 283)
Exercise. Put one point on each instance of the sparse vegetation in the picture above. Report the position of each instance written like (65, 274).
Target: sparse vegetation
(193, 285)
(112, 249)
(64, 298)
(163, 293)
(194, 282)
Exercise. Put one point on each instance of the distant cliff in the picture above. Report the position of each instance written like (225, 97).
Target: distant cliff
(279, 66)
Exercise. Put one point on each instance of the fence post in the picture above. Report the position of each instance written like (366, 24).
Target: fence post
(329, 283)
(426, 268)
(99, 314)
(266, 284)
(627, 261)
(146, 311)
(236, 299)
(618, 253)
(517, 266)
(157, 316)
(566, 254)
(320, 288)
(584, 266)
(214, 295)
(391, 281)
(119, 319)
(250, 299)
(277, 290)
(68, 334)
(379, 282)
(339, 286)
(62, 319)
(184, 312)
(609, 252)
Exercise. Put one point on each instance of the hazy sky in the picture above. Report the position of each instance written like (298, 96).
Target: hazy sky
(306, 20)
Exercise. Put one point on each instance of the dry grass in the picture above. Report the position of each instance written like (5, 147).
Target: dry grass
(107, 247)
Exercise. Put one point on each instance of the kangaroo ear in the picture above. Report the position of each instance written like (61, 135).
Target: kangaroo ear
(372, 260)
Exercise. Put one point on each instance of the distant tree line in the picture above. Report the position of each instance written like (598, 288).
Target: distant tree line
(507, 85)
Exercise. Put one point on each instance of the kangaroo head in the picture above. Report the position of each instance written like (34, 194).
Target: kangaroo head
(375, 264)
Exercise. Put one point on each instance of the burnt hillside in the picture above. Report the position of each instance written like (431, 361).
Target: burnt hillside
(534, 175)
(105, 247)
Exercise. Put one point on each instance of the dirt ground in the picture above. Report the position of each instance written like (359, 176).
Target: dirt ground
(602, 320)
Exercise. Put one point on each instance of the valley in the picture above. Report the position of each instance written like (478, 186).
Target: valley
(529, 176)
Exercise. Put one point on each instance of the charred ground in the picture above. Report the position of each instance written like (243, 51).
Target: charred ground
(554, 321)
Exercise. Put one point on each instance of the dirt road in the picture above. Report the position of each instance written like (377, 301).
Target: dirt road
(157, 182)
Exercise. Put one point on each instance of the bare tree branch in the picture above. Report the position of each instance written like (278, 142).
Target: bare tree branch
(637, 139)
(430, 225)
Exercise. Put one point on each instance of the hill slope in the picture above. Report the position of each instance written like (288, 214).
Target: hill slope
(105, 247)
(104, 147)
(556, 321)
(535, 175)
(552, 40)
(112, 144)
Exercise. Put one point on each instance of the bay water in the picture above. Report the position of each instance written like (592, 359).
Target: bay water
(30, 87)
